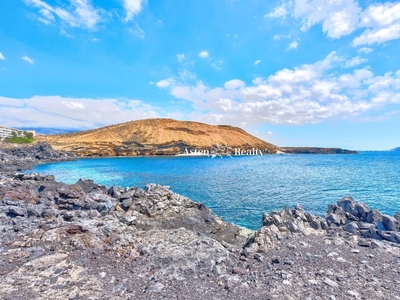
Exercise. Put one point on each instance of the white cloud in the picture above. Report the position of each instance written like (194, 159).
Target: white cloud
(378, 35)
(165, 83)
(87, 15)
(137, 31)
(233, 84)
(28, 59)
(73, 105)
(381, 15)
(74, 113)
(47, 17)
(338, 17)
(365, 50)
(133, 7)
(2, 56)
(180, 57)
(257, 62)
(279, 11)
(381, 22)
(355, 61)
(309, 93)
(293, 45)
(203, 54)
(80, 13)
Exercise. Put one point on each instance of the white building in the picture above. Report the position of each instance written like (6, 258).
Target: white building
(6, 132)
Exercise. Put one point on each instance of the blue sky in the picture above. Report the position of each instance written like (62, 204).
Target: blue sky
(295, 73)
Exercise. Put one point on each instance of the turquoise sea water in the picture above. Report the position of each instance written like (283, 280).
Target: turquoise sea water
(242, 188)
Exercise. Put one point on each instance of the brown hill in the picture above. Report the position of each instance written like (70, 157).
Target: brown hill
(155, 137)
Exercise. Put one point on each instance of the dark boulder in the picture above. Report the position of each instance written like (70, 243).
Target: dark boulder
(347, 203)
(374, 216)
(390, 222)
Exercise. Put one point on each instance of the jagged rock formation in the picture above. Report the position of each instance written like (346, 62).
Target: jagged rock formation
(295, 222)
(154, 207)
(357, 218)
(86, 241)
(155, 137)
(16, 157)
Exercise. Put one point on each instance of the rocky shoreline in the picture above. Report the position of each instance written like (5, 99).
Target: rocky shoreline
(86, 241)
(15, 158)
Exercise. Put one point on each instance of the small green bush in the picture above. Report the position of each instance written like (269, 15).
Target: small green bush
(29, 135)
(19, 140)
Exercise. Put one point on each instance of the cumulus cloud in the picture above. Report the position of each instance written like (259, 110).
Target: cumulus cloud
(132, 7)
(310, 93)
(355, 61)
(80, 13)
(203, 54)
(257, 62)
(2, 56)
(381, 22)
(73, 113)
(338, 18)
(28, 59)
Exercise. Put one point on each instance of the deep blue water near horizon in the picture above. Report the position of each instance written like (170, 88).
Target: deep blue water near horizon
(242, 188)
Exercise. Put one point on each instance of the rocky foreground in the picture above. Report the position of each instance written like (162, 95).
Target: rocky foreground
(86, 241)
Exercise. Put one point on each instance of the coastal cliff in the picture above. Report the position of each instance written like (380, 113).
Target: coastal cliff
(155, 137)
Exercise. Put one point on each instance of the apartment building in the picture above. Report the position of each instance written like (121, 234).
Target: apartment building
(6, 132)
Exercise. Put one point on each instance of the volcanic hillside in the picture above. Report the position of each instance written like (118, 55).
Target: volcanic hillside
(155, 137)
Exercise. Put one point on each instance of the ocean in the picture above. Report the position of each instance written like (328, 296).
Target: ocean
(240, 189)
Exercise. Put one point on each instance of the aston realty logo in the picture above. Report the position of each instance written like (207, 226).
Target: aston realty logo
(219, 150)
